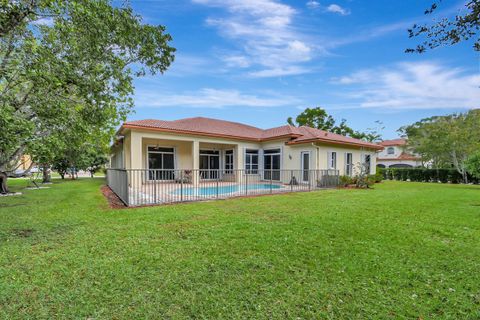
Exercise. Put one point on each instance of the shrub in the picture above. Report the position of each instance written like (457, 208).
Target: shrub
(378, 176)
(424, 175)
(346, 180)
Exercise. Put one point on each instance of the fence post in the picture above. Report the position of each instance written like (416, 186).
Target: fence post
(181, 185)
(309, 180)
(291, 180)
(246, 183)
(218, 177)
(271, 182)
(155, 196)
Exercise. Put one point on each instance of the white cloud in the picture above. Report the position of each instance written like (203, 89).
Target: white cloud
(421, 85)
(312, 4)
(236, 61)
(278, 72)
(335, 8)
(211, 98)
(264, 33)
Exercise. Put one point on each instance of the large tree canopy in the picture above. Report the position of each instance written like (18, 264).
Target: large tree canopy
(448, 141)
(319, 118)
(464, 27)
(68, 66)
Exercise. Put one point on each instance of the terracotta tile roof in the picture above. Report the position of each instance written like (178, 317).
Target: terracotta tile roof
(222, 128)
(394, 142)
(403, 156)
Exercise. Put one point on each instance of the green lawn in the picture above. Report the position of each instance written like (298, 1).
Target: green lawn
(402, 250)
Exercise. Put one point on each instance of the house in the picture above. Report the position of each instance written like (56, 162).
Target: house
(157, 161)
(211, 144)
(395, 154)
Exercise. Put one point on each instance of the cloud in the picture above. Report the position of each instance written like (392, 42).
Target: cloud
(211, 98)
(335, 8)
(313, 4)
(420, 85)
(236, 61)
(263, 32)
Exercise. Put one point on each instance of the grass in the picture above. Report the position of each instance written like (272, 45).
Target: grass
(402, 250)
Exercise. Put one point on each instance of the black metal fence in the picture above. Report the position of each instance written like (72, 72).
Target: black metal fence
(138, 187)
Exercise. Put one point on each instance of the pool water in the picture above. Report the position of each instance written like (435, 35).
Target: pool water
(212, 191)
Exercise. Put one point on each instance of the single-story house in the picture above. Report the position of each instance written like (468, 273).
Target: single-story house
(395, 154)
(211, 144)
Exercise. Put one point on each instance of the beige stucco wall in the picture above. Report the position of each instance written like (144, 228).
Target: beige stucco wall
(137, 141)
(357, 156)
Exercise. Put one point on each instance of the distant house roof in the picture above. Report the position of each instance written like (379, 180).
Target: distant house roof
(394, 142)
(239, 131)
(403, 156)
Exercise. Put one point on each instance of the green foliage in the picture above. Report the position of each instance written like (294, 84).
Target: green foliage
(424, 175)
(319, 118)
(332, 254)
(346, 180)
(464, 27)
(446, 141)
(70, 81)
(378, 176)
(473, 165)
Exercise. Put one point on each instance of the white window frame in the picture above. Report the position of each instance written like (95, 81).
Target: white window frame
(279, 153)
(229, 170)
(158, 146)
(348, 166)
(330, 157)
(392, 149)
(302, 164)
(369, 162)
(248, 163)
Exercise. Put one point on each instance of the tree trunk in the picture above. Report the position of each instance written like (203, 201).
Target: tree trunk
(46, 175)
(62, 174)
(3, 183)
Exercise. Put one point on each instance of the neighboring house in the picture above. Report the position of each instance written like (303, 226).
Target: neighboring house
(211, 145)
(396, 155)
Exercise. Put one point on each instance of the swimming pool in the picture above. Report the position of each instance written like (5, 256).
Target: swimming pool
(212, 191)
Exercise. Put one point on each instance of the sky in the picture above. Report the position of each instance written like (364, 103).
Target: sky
(261, 61)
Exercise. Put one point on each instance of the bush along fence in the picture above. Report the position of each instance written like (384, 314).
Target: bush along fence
(424, 175)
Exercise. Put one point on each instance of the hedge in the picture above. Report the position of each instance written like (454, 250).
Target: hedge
(424, 175)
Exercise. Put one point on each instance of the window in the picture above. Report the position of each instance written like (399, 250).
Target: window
(251, 161)
(161, 163)
(348, 164)
(332, 160)
(390, 150)
(228, 161)
(367, 163)
(271, 164)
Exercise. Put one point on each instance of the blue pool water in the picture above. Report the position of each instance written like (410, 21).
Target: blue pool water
(212, 191)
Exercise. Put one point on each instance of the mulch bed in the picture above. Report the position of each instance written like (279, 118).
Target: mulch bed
(113, 200)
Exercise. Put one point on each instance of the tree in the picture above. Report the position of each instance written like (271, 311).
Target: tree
(473, 165)
(315, 118)
(448, 141)
(319, 118)
(72, 74)
(464, 27)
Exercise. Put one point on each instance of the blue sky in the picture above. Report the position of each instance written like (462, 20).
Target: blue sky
(261, 61)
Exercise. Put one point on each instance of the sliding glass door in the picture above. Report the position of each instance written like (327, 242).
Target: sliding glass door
(271, 164)
(209, 164)
(161, 163)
